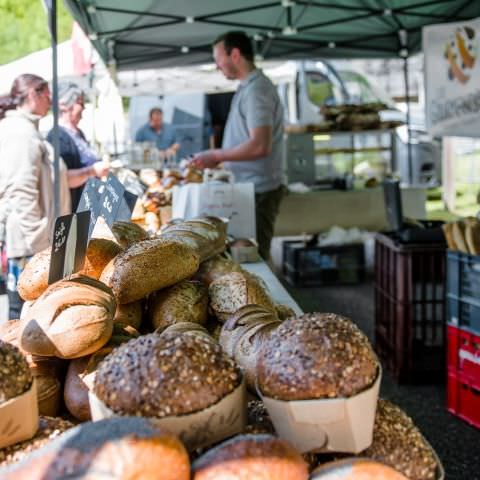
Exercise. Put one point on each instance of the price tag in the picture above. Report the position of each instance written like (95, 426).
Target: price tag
(90, 200)
(116, 203)
(70, 239)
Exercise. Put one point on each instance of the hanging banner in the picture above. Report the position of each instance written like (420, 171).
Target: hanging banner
(452, 78)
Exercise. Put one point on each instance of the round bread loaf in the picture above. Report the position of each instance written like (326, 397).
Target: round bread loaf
(129, 314)
(398, 442)
(216, 267)
(33, 280)
(186, 301)
(235, 290)
(355, 469)
(116, 448)
(48, 429)
(128, 233)
(72, 318)
(251, 457)
(99, 252)
(15, 375)
(148, 266)
(317, 355)
(165, 375)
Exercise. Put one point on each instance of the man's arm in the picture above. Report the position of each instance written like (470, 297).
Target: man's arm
(139, 136)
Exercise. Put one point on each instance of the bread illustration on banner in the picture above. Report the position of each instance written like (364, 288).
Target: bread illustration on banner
(461, 52)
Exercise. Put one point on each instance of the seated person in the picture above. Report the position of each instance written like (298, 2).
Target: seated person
(159, 133)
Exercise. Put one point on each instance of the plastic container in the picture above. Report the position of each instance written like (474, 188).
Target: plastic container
(463, 398)
(464, 312)
(410, 309)
(463, 275)
(312, 266)
(463, 353)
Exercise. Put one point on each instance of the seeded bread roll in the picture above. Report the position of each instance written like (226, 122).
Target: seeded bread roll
(116, 448)
(165, 375)
(128, 233)
(187, 301)
(215, 268)
(317, 355)
(48, 429)
(251, 457)
(129, 314)
(235, 290)
(148, 266)
(73, 318)
(99, 252)
(33, 280)
(15, 375)
(398, 442)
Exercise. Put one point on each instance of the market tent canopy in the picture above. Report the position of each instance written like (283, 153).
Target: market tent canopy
(164, 33)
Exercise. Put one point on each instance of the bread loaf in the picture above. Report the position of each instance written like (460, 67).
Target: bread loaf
(129, 314)
(186, 301)
(215, 268)
(189, 328)
(99, 252)
(284, 311)
(472, 235)
(149, 266)
(448, 232)
(48, 429)
(81, 373)
(33, 281)
(165, 375)
(128, 233)
(235, 290)
(15, 376)
(251, 457)
(119, 448)
(397, 442)
(458, 233)
(317, 355)
(73, 318)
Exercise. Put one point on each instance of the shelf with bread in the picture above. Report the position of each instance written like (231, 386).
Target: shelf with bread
(165, 333)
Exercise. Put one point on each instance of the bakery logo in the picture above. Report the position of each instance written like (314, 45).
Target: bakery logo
(461, 53)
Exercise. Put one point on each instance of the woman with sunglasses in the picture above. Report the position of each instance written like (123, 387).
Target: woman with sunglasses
(26, 179)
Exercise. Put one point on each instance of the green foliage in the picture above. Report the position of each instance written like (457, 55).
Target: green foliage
(24, 27)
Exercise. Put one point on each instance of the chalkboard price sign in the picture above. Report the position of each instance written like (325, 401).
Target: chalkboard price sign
(90, 200)
(116, 203)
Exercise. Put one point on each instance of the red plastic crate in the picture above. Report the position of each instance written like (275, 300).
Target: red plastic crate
(463, 398)
(463, 352)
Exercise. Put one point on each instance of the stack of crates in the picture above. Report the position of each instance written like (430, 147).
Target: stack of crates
(410, 309)
(463, 340)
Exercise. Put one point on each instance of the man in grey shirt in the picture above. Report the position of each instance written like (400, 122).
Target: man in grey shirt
(252, 141)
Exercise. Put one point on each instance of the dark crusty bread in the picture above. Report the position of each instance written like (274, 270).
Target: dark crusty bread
(186, 301)
(355, 469)
(15, 375)
(33, 280)
(251, 457)
(148, 266)
(317, 355)
(128, 233)
(99, 252)
(216, 267)
(116, 448)
(165, 375)
(398, 442)
(72, 318)
(258, 419)
(48, 429)
(129, 314)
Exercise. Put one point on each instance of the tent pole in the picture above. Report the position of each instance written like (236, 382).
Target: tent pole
(407, 99)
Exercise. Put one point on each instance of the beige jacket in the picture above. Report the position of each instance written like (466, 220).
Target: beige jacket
(26, 186)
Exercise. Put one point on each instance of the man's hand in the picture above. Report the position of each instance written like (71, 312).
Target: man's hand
(207, 159)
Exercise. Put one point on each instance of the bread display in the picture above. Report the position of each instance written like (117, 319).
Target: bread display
(129, 314)
(234, 290)
(215, 268)
(15, 375)
(33, 280)
(355, 469)
(164, 375)
(251, 457)
(186, 301)
(72, 318)
(148, 266)
(128, 233)
(120, 448)
(398, 442)
(317, 355)
(99, 252)
(48, 429)
(242, 336)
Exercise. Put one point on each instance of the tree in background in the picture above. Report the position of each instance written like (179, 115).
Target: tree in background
(24, 27)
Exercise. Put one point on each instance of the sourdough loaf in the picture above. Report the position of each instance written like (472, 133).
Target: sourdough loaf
(189, 328)
(120, 448)
(129, 314)
(33, 280)
(72, 318)
(251, 457)
(15, 375)
(148, 266)
(317, 355)
(216, 267)
(99, 252)
(165, 375)
(186, 301)
(128, 233)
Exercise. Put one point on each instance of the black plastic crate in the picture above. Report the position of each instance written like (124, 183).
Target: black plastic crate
(410, 309)
(464, 312)
(311, 266)
(463, 275)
